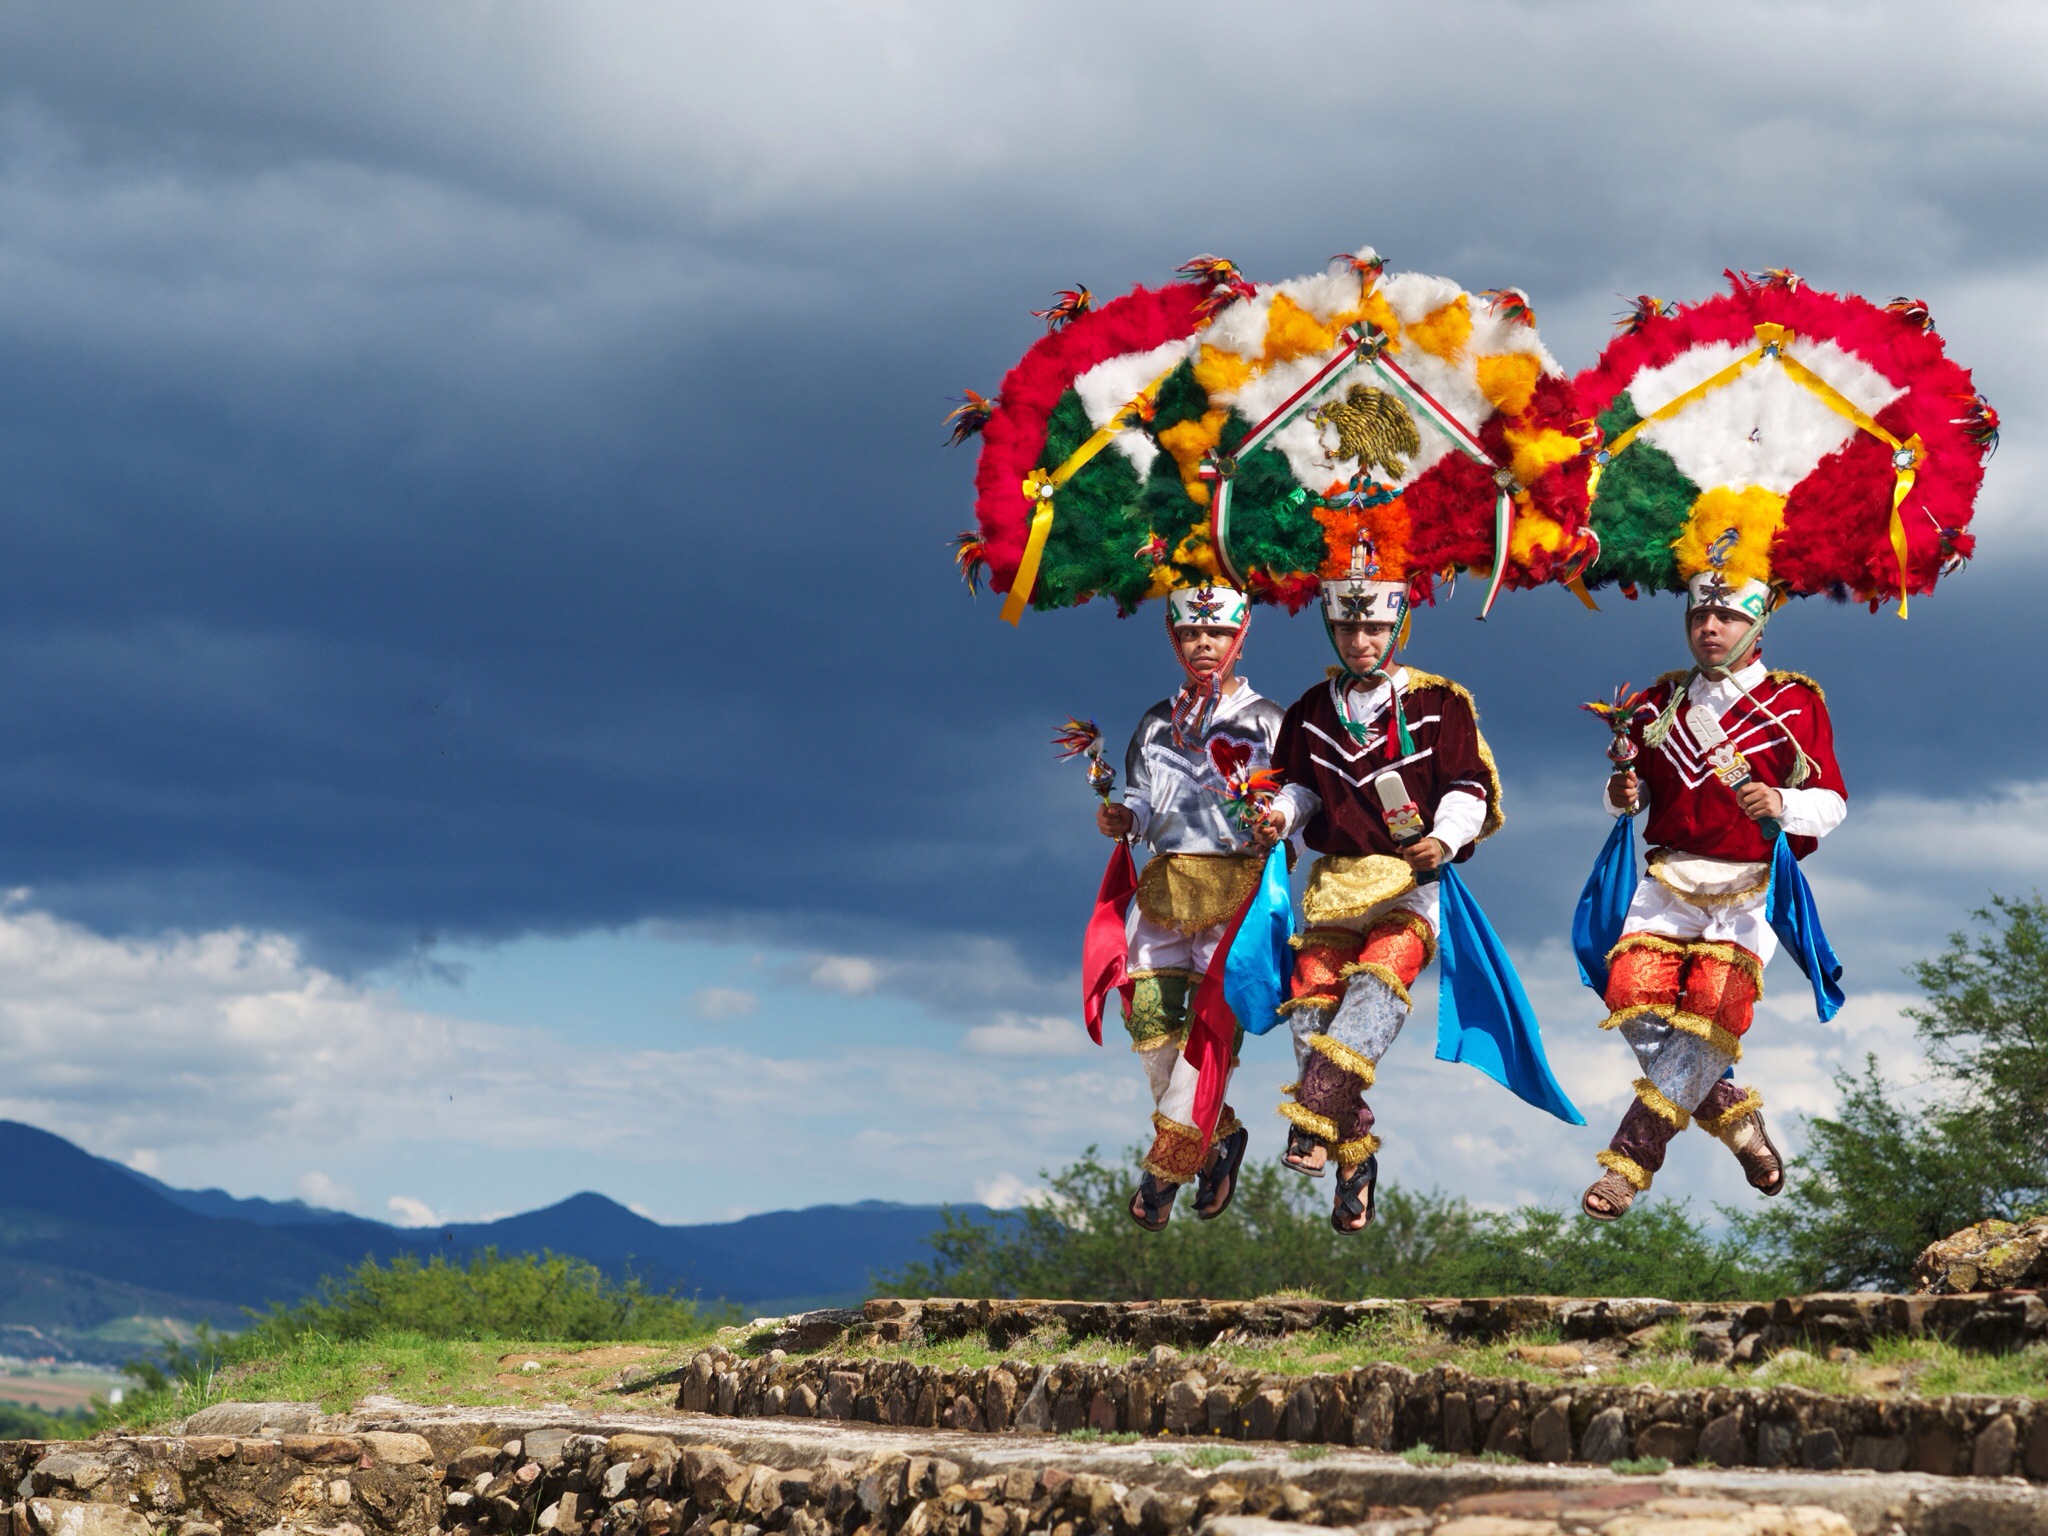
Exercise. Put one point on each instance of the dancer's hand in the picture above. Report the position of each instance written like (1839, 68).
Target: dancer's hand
(1760, 802)
(1268, 828)
(1114, 820)
(1426, 853)
(1623, 788)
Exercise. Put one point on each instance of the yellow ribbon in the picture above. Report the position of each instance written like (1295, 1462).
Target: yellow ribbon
(1774, 341)
(1040, 485)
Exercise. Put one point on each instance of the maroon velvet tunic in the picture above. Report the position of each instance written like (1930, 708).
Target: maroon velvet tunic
(1691, 810)
(1318, 753)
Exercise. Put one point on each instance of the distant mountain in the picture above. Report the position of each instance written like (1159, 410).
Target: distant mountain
(96, 1258)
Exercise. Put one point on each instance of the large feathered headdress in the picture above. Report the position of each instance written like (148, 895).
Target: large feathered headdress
(1264, 433)
(1813, 442)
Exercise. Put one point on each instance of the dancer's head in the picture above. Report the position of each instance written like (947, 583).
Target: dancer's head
(1724, 620)
(1367, 618)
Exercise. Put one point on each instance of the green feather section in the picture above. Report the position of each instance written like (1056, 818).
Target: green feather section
(1642, 506)
(1273, 525)
(1180, 399)
(1098, 522)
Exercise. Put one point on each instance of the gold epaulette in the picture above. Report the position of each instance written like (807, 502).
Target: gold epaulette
(1803, 681)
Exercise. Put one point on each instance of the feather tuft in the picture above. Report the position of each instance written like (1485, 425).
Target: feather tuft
(1913, 311)
(1979, 423)
(970, 558)
(969, 416)
(1644, 308)
(1511, 304)
(1068, 306)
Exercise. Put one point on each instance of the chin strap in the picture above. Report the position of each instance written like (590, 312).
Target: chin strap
(1380, 673)
(1195, 705)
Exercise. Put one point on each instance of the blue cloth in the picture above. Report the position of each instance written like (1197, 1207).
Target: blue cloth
(1483, 1017)
(1255, 969)
(1790, 909)
(1603, 904)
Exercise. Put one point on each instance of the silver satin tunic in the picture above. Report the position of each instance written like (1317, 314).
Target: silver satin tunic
(1177, 793)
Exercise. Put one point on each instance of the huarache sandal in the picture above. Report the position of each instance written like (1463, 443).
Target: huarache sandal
(1608, 1197)
(1349, 1213)
(1761, 1164)
(1305, 1154)
(1152, 1205)
(1217, 1185)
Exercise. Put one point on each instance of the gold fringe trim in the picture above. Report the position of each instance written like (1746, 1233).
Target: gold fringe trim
(1164, 970)
(1384, 973)
(1191, 892)
(1416, 924)
(1310, 1000)
(1339, 1054)
(1637, 1175)
(1719, 1126)
(1731, 954)
(1781, 678)
(1326, 937)
(1322, 1127)
(1654, 864)
(1227, 1124)
(1621, 1016)
(1175, 1038)
(1653, 941)
(1707, 1030)
(1350, 1154)
(1658, 1105)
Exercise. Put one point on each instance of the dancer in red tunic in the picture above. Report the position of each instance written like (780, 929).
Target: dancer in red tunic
(1728, 753)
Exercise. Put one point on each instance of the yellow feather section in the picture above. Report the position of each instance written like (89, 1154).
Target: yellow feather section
(1187, 441)
(1753, 514)
(1534, 452)
(1375, 311)
(1220, 372)
(1508, 379)
(1533, 531)
(1292, 332)
(1445, 331)
(1195, 550)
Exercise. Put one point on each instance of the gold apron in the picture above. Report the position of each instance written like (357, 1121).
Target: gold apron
(1346, 886)
(1188, 892)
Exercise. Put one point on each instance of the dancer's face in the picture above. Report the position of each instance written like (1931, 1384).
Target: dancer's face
(1714, 633)
(1202, 650)
(1363, 645)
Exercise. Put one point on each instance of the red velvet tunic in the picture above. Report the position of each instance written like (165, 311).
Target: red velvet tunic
(1316, 752)
(1691, 810)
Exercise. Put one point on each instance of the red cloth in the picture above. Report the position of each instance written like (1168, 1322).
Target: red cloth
(1212, 1032)
(1694, 812)
(1103, 965)
(1315, 751)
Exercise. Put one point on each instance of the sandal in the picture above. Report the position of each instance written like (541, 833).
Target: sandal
(1305, 1154)
(1221, 1174)
(1152, 1206)
(1761, 1164)
(1614, 1193)
(1348, 1207)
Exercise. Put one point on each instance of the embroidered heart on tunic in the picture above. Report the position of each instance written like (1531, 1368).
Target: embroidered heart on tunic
(1230, 757)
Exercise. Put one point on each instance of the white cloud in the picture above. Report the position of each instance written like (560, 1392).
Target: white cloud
(847, 974)
(1006, 1191)
(317, 1188)
(408, 1212)
(1015, 1035)
(725, 1002)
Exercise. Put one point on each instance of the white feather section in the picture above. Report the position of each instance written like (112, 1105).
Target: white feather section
(1114, 382)
(1412, 295)
(1324, 295)
(1764, 429)
(1241, 327)
(1493, 334)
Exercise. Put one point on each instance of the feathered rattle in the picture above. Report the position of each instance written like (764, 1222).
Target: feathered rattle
(1079, 738)
(1619, 712)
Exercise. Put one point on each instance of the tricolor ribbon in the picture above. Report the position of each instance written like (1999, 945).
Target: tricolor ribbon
(1041, 486)
(1365, 346)
(1774, 342)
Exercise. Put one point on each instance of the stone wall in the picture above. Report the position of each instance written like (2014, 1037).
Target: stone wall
(1387, 1407)
(1999, 1320)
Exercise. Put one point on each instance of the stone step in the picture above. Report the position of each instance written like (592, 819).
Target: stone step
(1390, 1408)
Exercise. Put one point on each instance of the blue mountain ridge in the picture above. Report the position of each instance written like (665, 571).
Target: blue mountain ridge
(82, 1236)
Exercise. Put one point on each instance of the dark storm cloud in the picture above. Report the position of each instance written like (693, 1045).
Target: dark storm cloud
(472, 471)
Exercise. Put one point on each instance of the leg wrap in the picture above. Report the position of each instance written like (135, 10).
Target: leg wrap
(1637, 1150)
(1725, 1112)
(1176, 1154)
(1722, 984)
(1158, 1014)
